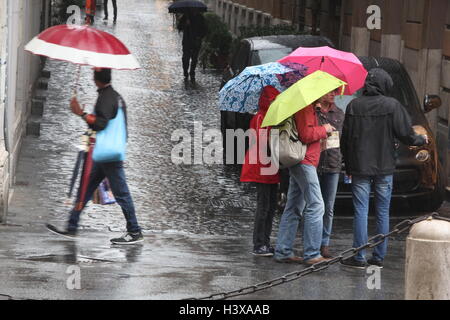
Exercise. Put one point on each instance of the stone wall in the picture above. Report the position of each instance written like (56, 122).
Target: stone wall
(19, 73)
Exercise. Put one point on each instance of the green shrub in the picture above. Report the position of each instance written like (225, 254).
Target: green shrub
(217, 43)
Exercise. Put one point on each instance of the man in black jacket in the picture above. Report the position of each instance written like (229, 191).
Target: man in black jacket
(106, 109)
(194, 30)
(372, 123)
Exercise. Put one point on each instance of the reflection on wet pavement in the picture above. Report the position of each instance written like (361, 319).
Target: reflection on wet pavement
(196, 199)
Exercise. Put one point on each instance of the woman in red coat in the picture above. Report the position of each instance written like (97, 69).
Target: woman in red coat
(258, 168)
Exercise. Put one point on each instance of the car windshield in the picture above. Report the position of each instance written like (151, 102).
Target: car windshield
(398, 92)
(269, 55)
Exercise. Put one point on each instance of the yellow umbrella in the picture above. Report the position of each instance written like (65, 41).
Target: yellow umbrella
(301, 95)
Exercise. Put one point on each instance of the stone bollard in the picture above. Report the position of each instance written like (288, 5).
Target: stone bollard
(427, 269)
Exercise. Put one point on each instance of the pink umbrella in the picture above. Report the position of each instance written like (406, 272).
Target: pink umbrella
(83, 45)
(343, 65)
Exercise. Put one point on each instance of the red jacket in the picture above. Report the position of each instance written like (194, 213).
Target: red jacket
(252, 172)
(310, 133)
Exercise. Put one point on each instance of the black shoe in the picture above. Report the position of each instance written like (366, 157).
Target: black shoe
(193, 78)
(115, 20)
(105, 18)
(375, 262)
(66, 234)
(263, 251)
(129, 238)
(353, 263)
(271, 249)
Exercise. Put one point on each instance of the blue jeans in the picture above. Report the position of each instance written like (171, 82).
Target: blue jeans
(116, 175)
(361, 188)
(304, 196)
(329, 185)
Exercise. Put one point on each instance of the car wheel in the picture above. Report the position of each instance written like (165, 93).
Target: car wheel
(434, 201)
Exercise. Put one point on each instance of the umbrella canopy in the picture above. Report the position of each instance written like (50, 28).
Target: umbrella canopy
(242, 93)
(83, 45)
(299, 96)
(184, 6)
(343, 65)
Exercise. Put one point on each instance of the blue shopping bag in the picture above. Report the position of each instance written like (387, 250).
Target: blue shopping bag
(111, 143)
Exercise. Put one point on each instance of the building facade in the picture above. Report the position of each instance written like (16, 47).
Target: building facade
(415, 32)
(20, 21)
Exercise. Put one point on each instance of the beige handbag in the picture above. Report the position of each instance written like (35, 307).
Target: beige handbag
(286, 148)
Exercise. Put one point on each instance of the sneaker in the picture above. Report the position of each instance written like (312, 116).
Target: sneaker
(65, 234)
(129, 238)
(292, 259)
(263, 251)
(353, 263)
(375, 262)
(271, 249)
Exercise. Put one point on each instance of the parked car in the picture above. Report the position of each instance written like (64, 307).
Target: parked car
(419, 179)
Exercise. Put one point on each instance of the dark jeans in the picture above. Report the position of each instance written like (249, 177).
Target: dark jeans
(116, 175)
(328, 184)
(105, 6)
(361, 187)
(190, 56)
(265, 211)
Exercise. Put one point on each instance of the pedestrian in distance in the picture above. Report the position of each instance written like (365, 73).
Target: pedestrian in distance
(372, 124)
(106, 109)
(91, 8)
(256, 160)
(330, 164)
(105, 9)
(194, 29)
(304, 196)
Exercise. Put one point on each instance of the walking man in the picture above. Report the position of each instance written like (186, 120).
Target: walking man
(372, 123)
(106, 109)
(105, 8)
(194, 30)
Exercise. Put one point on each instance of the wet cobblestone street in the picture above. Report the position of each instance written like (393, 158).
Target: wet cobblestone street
(194, 199)
(197, 220)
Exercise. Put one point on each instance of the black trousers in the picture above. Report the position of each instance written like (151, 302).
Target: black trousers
(265, 211)
(190, 57)
(105, 6)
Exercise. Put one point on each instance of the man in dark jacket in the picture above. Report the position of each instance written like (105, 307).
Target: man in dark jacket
(106, 109)
(194, 30)
(372, 123)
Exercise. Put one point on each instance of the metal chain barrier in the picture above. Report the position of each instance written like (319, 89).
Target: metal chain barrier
(373, 242)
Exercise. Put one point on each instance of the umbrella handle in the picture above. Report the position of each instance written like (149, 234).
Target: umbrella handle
(77, 82)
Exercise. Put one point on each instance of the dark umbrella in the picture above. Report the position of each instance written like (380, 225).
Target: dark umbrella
(86, 174)
(184, 6)
(76, 171)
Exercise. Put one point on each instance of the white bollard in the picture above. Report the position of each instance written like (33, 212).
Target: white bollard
(427, 269)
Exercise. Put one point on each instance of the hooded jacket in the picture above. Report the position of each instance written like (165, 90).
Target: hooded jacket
(372, 123)
(251, 172)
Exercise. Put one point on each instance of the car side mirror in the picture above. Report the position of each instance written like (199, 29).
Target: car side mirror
(431, 102)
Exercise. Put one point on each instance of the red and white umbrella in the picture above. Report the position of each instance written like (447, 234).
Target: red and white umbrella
(83, 45)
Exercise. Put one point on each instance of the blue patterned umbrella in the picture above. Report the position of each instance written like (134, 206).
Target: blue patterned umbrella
(242, 93)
